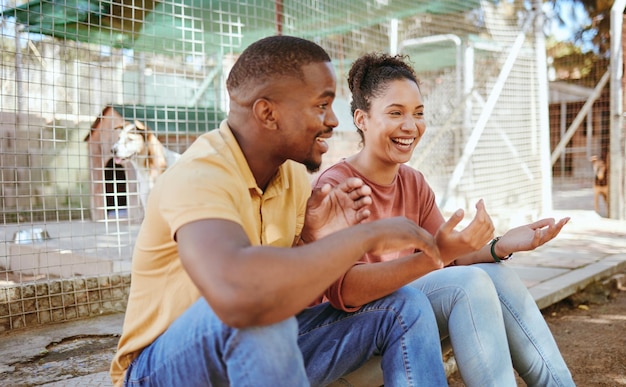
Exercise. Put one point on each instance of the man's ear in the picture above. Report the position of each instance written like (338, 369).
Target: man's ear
(264, 111)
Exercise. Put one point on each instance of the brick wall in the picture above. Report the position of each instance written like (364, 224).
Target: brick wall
(32, 304)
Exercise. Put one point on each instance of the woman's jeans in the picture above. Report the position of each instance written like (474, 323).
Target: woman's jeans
(316, 347)
(494, 326)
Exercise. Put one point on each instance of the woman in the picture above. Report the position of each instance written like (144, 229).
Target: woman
(493, 322)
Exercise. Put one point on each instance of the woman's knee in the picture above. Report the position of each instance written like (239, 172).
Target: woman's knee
(468, 280)
(503, 277)
(460, 285)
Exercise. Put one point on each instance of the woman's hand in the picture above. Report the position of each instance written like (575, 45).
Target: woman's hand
(453, 244)
(530, 236)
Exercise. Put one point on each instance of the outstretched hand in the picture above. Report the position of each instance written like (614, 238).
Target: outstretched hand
(331, 209)
(400, 233)
(453, 244)
(530, 236)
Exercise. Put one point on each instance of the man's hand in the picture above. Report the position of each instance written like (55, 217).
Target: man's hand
(453, 244)
(400, 233)
(530, 236)
(331, 209)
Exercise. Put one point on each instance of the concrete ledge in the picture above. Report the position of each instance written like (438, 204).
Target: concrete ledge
(558, 288)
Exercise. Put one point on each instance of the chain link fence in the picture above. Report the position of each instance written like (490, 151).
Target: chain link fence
(77, 74)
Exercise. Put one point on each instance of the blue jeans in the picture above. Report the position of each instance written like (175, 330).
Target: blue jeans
(316, 347)
(494, 326)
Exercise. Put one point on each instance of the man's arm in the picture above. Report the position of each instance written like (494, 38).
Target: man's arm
(257, 285)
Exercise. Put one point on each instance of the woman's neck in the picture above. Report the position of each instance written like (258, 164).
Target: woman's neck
(375, 170)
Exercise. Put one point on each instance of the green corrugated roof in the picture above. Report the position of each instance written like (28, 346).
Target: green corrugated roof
(192, 26)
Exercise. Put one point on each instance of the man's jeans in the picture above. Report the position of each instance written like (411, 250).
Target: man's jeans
(490, 316)
(315, 348)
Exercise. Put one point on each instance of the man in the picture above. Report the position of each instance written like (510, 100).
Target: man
(222, 274)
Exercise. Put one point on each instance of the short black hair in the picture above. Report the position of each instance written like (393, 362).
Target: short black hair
(274, 56)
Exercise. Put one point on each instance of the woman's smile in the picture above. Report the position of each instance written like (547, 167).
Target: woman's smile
(403, 143)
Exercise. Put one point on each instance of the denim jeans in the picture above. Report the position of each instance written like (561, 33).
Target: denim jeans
(316, 347)
(494, 326)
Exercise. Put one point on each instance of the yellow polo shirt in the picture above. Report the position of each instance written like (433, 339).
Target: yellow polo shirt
(211, 180)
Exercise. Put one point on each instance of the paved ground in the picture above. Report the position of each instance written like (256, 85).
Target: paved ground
(22, 349)
(589, 248)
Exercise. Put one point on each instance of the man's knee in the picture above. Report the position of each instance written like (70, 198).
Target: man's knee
(410, 295)
(283, 333)
(412, 303)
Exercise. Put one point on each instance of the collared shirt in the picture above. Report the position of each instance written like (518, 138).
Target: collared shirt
(212, 180)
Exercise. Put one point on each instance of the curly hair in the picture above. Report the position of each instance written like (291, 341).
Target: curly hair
(371, 74)
(273, 56)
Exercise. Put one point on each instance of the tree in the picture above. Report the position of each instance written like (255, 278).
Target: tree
(583, 56)
(588, 20)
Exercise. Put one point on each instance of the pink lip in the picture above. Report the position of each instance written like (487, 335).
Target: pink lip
(322, 143)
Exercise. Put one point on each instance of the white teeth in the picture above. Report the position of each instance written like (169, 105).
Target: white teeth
(404, 141)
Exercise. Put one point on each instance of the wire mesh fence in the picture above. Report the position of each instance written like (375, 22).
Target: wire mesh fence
(580, 122)
(82, 80)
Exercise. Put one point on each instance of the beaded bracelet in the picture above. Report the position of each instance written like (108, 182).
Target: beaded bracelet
(493, 251)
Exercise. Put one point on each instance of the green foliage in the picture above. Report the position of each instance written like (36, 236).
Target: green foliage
(584, 57)
(592, 31)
